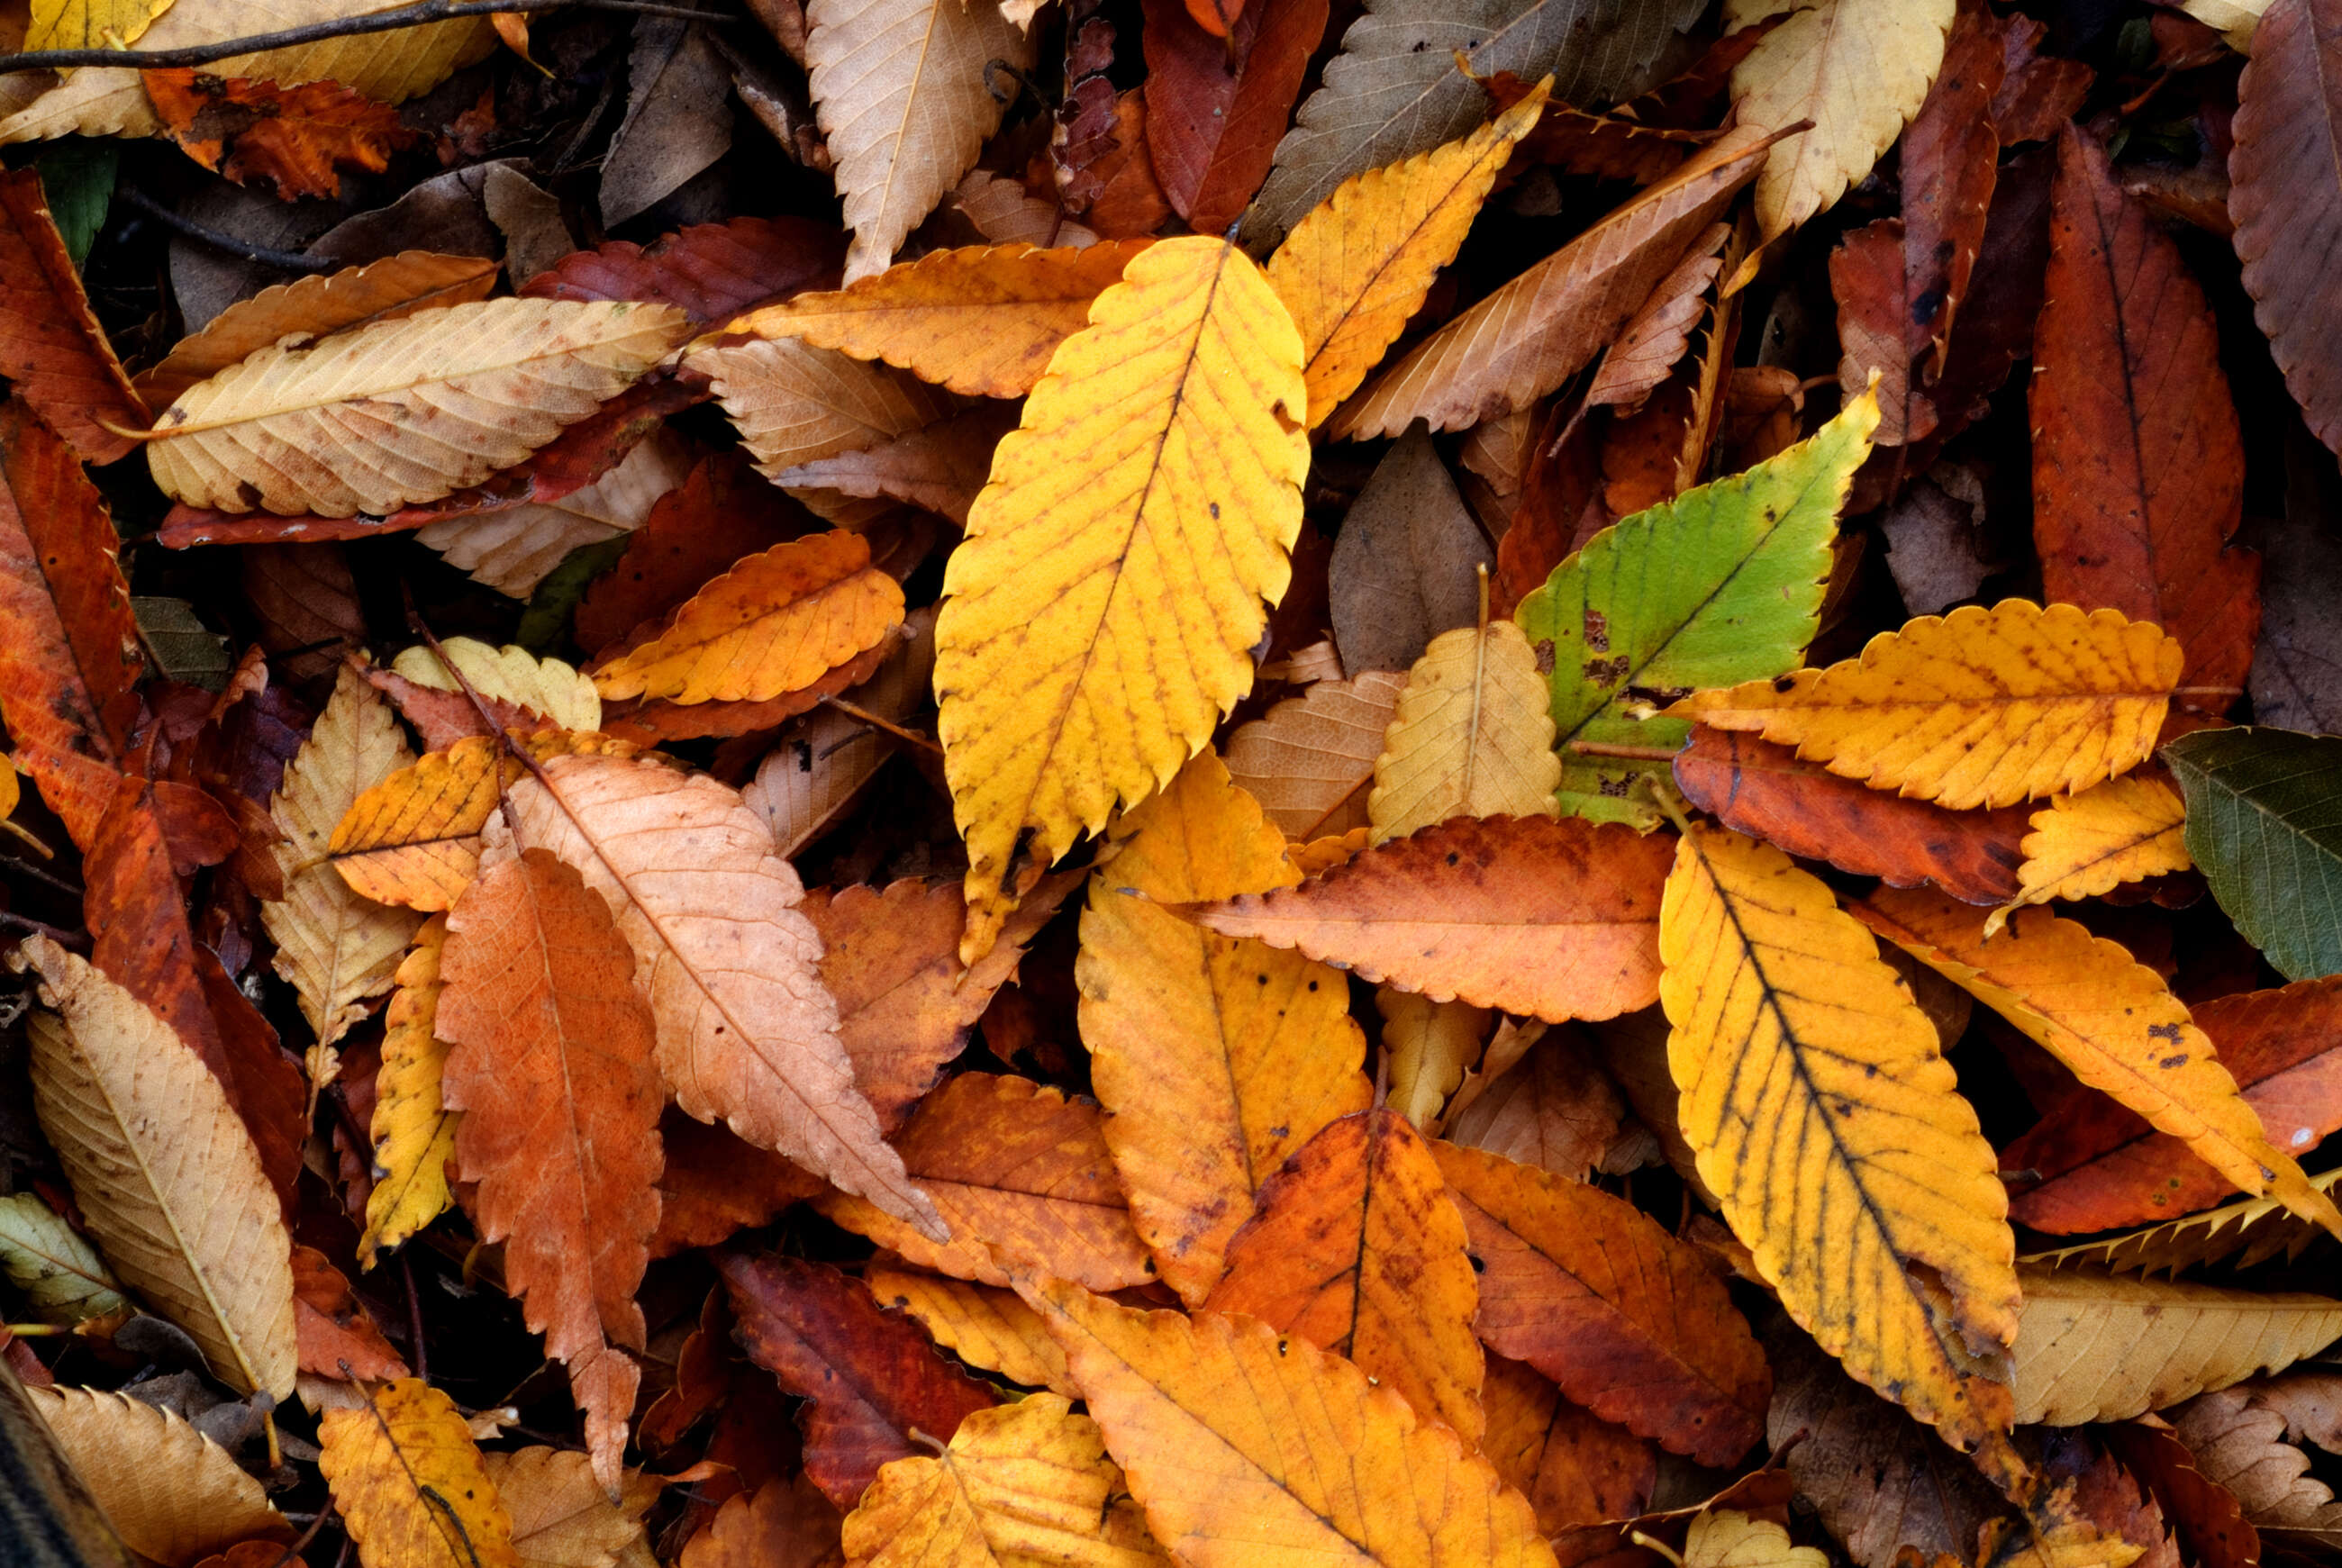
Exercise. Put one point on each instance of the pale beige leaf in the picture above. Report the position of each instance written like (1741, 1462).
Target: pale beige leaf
(1004, 213)
(941, 466)
(746, 1031)
(166, 1177)
(336, 948)
(985, 1326)
(511, 551)
(820, 761)
(795, 404)
(58, 1274)
(1428, 1045)
(1308, 761)
(561, 1518)
(511, 675)
(2092, 1346)
(390, 67)
(2240, 1444)
(1858, 70)
(1472, 735)
(475, 388)
(172, 1494)
(903, 90)
(1726, 1538)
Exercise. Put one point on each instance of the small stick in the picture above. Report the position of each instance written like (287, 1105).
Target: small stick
(286, 261)
(415, 1317)
(56, 934)
(863, 715)
(11, 863)
(1630, 754)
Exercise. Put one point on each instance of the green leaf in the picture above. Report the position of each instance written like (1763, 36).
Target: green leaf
(2265, 826)
(78, 177)
(546, 620)
(1722, 584)
(61, 1276)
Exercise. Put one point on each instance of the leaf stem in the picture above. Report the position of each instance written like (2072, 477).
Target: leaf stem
(1631, 753)
(863, 715)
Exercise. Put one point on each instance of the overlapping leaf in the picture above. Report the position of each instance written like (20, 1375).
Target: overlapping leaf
(407, 1477)
(2262, 826)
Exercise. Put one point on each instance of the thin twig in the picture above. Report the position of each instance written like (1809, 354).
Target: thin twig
(56, 934)
(861, 714)
(421, 1357)
(319, 32)
(1631, 753)
(286, 261)
(11, 865)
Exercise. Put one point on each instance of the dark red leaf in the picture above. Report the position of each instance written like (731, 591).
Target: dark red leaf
(1216, 102)
(712, 272)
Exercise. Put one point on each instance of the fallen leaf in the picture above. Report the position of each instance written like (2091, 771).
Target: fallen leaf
(710, 272)
(1233, 1435)
(941, 468)
(2106, 1348)
(60, 1275)
(1630, 1322)
(2251, 1231)
(336, 1336)
(1428, 1046)
(1471, 736)
(561, 1517)
(299, 138)
(795, 404)
(870, 1377)
(1553, 919)
(1553, 1108)
(2259, 830)
(781, 1523)
(1355, 1246)
(91, 24)
(2138, 466)
(52, 349)
(986, 1326)
(1310, 760)
(1574, 1467)
(163, 1171)
(1214, 1058)
(1783, 1015)
(1726, 577)
(409, 1481)
(547, 687)
(1726, 1538)
(2085, 845)
(1217, 94)
(1019, 1484)
(1950, 158)
(724, 956)
(1977, 708)
(413, 1130)
(819, 764)
(2239, 1443)
(290, 430)
(1192, 353)
(172, 1494)
(1406, 565)
(2111, 1020)
(550, 1058)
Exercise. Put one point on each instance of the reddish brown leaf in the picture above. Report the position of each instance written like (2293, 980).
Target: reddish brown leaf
(1086, 130)
(1756, 787)
(2137, 461)
(1632, 1324)
(308, 604)
(720, 514)
(299, 138)
(1951, 160)
(444, 718)
(52, 349)
(1607, 146)
(2103, 1166)
(713, 271)
(339, 1337)
(1129, 201)
(715, 1183)
(1651, 343)
(549, 1059)
(2037, 93)
(1573, 1466)
(2287, 198)
(870, 1376)
(1217, 97)
(71, 657)
(2205, 1516)
(1875, 296)
(1562, 483)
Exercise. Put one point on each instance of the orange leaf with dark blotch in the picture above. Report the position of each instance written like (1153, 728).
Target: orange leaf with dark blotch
(1632, 1324)
(870, 1377)
(336, 1335)
(1217, 17)
(1874, 294)
(1762, 789)
(51, 350)
(697, 531)
(1573, 1466)
(2287, 197)
(2102, 1166)
(71, 656)
(1022, 1176)
(135, 908)
(1951, 161)
(549, 1059)
(1217, 97)
(2138, 466)
(656, 721)
(710, 271)
(904, 1002)
(1556, 919)
(715, 1183)
(296, 137)
(1356, 1247)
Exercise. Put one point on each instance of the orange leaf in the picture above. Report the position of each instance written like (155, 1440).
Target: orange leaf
(696, 532)
(715, 1183)
(51, 350)
(1574, 1467)
(1632, 1324)
(550, 1061)
(1356, 1248)
(335, 1334)
(872, 1377)
(1555, 919)
(1022, 1176)
(1215, 17)
(298, 137)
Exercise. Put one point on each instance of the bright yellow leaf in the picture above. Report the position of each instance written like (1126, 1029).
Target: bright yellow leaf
(1023, 1485)
(510, 674)
(1726, 1538)
(1428, 1045)
(2112, 1021)
(2085, 845)
(90, 24)
(1472, 736)
(1824, 1114)
(414, 1131)
(408, 1480)
(1252, 1449)
(777, 622)
(1102, 610)
(1358, 266)
(981, 321)
(983, 1325)
(1215, 1057)
(1978, 707)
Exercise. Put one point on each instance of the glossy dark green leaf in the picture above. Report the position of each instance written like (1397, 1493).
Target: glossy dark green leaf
(2265, 826)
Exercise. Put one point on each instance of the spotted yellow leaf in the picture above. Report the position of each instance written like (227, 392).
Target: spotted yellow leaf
(2085, 845)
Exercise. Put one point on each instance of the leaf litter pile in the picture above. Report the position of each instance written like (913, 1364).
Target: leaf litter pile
(982, 783)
